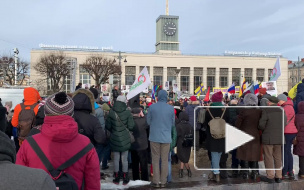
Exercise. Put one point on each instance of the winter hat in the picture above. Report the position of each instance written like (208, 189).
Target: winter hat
(193, 98)
(121, 99)
(273, 99)
(7, 149)
(95, 92)
(262, 91)
(282, 97)
(250, 100)
(217, 97)
(59, 104)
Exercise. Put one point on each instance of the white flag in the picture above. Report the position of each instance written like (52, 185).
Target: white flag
(276, 71)
(140, 84)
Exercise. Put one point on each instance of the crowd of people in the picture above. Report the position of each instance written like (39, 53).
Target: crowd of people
(67, 140)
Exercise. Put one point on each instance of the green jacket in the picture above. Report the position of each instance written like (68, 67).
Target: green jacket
(174, 138)
(120, 137)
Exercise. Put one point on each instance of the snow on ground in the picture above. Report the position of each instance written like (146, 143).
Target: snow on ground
(111, 185)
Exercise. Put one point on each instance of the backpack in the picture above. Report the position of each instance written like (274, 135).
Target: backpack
(62, 179)
(217, 126)
(26, 120)
(188, 140)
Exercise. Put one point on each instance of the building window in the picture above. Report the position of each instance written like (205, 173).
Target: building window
(197, 81)
(84, 76)
(211, 82)
(67, 84)
(260, 75)
(248, 75)
(130, 75)
(211, 78)
(158, 80)
(223, 81)
(185, 83)
(223, 77)
(236, 75)
(130, 79)
(269, 73)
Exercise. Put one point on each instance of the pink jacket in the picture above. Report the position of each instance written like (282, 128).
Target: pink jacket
(290, 113)
(59, 140)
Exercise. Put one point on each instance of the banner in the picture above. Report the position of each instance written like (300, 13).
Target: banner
(140, 84)
(167, 85)
(175, 88)
(271, 87)
(276, 71)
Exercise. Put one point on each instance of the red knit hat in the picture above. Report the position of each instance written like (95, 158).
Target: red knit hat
(262, 91)
(193, 98)
(217, 97)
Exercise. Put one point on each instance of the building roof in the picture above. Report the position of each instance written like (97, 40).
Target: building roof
(296, 65)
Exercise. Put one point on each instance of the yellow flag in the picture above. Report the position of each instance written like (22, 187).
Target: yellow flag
(243, 87)
(199, 90)
(293, 91)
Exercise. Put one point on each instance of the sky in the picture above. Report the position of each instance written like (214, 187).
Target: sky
(207, 27)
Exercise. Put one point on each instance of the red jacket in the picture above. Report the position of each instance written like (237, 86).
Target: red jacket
(290, 113)
(59, 140)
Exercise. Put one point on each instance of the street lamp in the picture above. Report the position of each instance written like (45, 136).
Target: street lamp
(120, 57)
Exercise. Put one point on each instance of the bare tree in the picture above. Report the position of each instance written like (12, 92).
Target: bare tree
(7, 70)
(55, 68)
(100, 68)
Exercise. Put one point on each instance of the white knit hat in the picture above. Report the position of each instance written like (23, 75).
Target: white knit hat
(121, 99)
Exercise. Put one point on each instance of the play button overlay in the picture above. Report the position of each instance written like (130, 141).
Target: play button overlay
(235, 138)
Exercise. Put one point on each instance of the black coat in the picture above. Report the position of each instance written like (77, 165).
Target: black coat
(115, 94)
(140, 133)
(183, 128)
(3, 120)
(88, 124)
(215, 145)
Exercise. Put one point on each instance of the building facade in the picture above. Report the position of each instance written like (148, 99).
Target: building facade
(295, 72)
(188, 71)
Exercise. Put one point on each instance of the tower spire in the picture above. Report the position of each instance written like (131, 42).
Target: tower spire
(167, 7)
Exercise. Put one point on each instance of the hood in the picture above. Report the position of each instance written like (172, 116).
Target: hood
(288, 102)
(162, 96)
(300, 88)
(84, 100)
(62, 128)
(183, 116)
(7, 149)
(119, 107)
(301, 107)
(31, 95)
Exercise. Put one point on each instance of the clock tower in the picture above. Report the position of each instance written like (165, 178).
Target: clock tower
(167, 34)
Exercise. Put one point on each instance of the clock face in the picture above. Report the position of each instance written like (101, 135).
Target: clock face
(170, 28)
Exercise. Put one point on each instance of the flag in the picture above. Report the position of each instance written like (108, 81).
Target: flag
(199, 89)
(231, 89)
(154, 91)
(242, 88)
(293, 91)
(256, 87)
(140, 84)
(276, 71)
(249, 88)
(207, 99)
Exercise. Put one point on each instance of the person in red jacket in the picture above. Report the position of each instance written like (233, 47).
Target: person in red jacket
(31, 96)
(59, 141)
(290, 132)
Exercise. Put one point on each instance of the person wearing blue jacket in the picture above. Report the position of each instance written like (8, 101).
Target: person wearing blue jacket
(161, 119)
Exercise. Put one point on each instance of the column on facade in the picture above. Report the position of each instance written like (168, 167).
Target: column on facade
(151, 74)
(204, 77)
(254, 74)
(191, 80)
(217, 77)
(229, 76)
(137, 71)
(164, 75)
(242, 76)
(178, 79)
